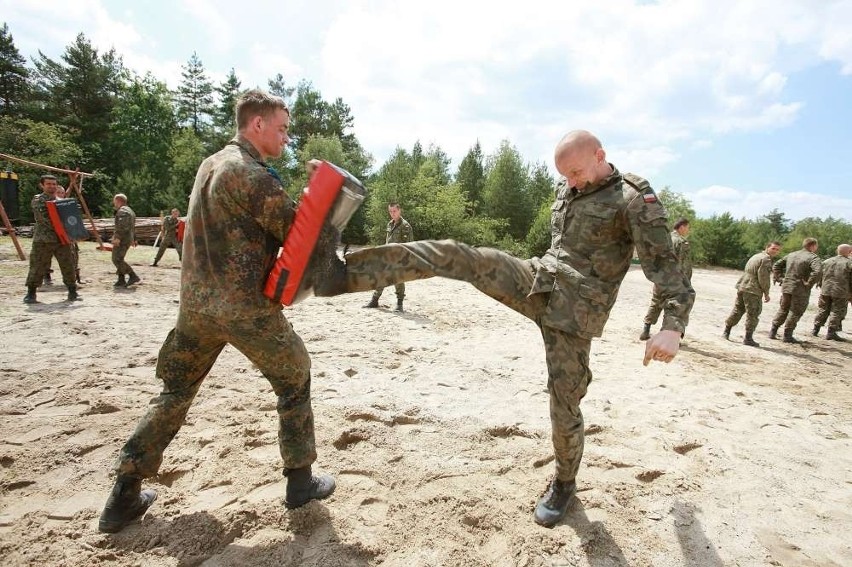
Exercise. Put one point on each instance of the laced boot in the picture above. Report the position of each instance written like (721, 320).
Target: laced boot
(749, 339)
(302, 487)
(726, 334)
(120, 282)
(832, 335)
(126, 502)
(773, 331)
(399, 305)
(551, 507)
(72, 294)
(815, 332)
(646, 332)
(326, 270)
(133, 279)
(374, 302)
(30, 297)
(788, 337)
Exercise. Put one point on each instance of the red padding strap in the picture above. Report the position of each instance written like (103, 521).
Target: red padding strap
(287, 273)
(58, 227)
(181, 229)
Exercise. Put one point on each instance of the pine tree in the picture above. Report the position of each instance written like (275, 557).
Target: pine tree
(194, 96)
(14, 75)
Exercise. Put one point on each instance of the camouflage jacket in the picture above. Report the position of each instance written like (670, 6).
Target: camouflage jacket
(593, 234)
(801, 271)
(837, 277)
(757, 277)
(683, 253)
(237, 220)
(125, 225)
(399, 232)
(170, 225)
(43, 230)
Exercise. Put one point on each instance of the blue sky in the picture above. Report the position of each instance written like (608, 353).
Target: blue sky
(742, 106)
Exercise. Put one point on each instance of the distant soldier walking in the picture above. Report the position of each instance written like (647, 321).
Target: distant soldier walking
(46, 245)
(684, 261)
(170, 236)
(801, 270)
(835, 292)
(754, 283)
(122, 239)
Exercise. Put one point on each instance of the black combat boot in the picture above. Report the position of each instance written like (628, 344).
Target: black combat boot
(133, 279)
(773, 331)
(832, 335)
(646, 332)
(399, 305)
(326, 271)
(30, 297)
(302, 487)
(47, 279)
(374, 302)
(815, 332)
(120, 282)
(726, 334)
(126, 502)
(154, 264)
(77, 275)
(749, 339)
(788, 337)
(72, 294)
(551, 507)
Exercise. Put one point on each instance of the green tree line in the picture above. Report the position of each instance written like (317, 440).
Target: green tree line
(87, 110)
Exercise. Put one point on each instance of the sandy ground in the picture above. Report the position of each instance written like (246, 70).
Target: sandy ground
(435, 424)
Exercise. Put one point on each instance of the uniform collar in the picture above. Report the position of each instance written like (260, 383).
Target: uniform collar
(611, 179)
(242, 142)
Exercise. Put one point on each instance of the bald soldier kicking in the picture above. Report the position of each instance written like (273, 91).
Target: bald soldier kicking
(597, 219)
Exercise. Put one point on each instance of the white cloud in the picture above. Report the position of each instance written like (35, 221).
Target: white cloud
(718, 199)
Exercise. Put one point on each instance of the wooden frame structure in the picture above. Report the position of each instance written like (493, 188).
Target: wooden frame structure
(75, 185)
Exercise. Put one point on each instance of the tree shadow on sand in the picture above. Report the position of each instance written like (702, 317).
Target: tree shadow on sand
(303, 537)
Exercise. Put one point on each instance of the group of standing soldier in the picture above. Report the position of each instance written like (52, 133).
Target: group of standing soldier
(47, 243)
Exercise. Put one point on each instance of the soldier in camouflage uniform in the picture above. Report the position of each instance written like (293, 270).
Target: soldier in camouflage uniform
(46, 246)
(835, 292)
(169, 233)
(754, 283)
(684, 258)
(597, 219)
(797, 272)
(122, 239)
(238, 218)
(398, 230)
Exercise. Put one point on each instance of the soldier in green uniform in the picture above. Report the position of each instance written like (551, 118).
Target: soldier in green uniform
(398, 230)
(46, 246)
(597, 219)
(122, 239)
(238, 218)
(169, 236)
(798, 272)
(835, 292)
(754, 283)
(684, 258)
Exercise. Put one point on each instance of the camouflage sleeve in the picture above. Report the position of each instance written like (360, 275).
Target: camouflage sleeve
(269, 204)
(407, 233)
(39, 211)
(778, 270)
(816, 272)
(647, 224)
(764, 275)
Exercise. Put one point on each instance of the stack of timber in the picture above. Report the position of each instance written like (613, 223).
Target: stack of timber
(147, 229)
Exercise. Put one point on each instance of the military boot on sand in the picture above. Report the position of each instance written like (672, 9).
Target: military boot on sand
(646, 332)
(302, 487)
(30, 297)
(551, 507)
(788, 337)
(832, 335)
(120, 281)
(815, 332)
(126, 502)
(773, 331)
(399, 305)
(726, 334)
(374, 303)
(749, 339)
(72, 294)
(133, 279)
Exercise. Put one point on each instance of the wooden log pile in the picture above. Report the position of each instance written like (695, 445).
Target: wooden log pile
(147, 229)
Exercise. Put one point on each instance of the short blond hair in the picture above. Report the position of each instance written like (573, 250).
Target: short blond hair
(256, 102)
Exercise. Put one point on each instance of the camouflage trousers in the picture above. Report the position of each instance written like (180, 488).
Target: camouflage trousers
(40, 257)
(122, 268)
(791, 310)
(186, 357)
(165, 243)
(833, 306)
(508, 280)
(747, 304)
(655, 308)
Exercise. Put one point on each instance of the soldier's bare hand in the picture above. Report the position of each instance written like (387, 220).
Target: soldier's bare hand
(662, 347)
